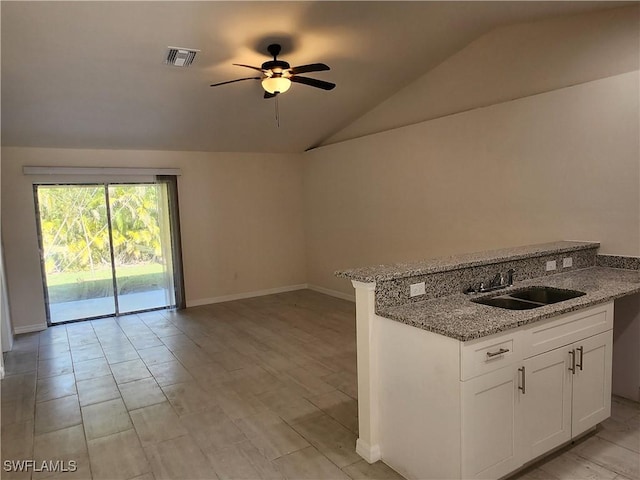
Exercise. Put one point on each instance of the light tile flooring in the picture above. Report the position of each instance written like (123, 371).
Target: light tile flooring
(611, 452)
(252, 389)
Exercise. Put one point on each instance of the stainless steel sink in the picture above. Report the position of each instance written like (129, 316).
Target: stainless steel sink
(546, 295)
(530, 297)
(504, 301)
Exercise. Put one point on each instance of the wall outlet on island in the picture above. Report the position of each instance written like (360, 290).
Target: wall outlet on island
(551, 265)
(416, 289)
(567, 262)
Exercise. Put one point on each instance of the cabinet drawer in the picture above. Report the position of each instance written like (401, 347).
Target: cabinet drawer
(490, 353)
(565, 329)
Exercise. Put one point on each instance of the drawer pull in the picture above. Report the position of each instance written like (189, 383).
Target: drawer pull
(499, 352)
(581, 350)
(573, 361)
(523, 387)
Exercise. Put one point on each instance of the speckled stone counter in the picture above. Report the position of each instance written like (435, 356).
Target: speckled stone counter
(450, 275)
(444, 309)
(618, 261)
(380, 273)
(458, 317)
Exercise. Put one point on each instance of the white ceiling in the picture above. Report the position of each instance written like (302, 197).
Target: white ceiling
(91, 74)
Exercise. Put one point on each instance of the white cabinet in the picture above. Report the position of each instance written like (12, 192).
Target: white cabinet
(483, 408)
(567, 391)
(546, 402)
(592, 382)
(490, 406)
(490, 416)
(554, 384)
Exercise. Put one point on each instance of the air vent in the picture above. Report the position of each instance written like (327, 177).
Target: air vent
(180, 57)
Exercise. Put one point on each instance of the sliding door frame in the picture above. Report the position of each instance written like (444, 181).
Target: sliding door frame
(176, 245)
(171, 181)
(43, 269)
(112, 254)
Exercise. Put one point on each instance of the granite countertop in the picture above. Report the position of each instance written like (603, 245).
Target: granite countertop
(456, 316)
(380, 273)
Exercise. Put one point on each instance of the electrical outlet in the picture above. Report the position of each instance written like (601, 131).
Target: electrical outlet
(567, 262)
(551, 265)
(416, 289)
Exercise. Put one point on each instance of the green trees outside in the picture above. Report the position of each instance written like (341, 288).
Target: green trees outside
(135, 224)
(75, 238)
(73, 223)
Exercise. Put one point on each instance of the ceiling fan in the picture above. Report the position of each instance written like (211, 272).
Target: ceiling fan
(277, 75)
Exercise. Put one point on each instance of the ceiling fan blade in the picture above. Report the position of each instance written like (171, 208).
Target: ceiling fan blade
(270, 95)
(248, 66)
(313, 67)
(313, 82)
(233, 81)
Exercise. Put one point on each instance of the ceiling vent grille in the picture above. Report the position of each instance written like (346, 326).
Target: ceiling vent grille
(180, 57)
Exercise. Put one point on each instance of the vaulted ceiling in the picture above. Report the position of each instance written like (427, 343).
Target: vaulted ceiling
(92, 74)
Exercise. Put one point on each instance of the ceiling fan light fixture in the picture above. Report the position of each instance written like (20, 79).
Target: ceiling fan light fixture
(276, 84)
(276, 75)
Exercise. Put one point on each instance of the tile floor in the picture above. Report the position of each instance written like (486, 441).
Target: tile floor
(252, 389)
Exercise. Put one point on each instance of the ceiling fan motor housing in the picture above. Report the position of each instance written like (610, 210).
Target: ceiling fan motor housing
(274, 49)
(273, 64)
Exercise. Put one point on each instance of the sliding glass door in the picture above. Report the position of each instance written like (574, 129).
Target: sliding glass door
(141, 246)
(107, 249)
(75, 242)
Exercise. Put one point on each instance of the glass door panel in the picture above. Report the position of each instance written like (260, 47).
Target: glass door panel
(141, 246)
(76, 253)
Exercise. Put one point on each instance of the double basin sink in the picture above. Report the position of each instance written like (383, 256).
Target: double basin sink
(530, 297)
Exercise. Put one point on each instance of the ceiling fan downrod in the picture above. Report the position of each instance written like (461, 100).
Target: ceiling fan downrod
(274, 49)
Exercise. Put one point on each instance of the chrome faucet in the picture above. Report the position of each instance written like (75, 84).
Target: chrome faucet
(496, 283)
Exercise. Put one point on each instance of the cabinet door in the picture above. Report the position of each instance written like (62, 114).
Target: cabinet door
(546, 402)
(592, 382)
(489, 437)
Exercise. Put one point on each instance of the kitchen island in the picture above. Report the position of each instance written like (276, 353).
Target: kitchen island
(451, 388)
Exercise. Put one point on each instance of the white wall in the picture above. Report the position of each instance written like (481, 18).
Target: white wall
(544, 146)
(513, 62)
(241, 221)
(559, 165)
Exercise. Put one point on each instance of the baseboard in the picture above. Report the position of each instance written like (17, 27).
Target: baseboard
(240, 296)
(332, 293)
(371, 453)
(29, 328)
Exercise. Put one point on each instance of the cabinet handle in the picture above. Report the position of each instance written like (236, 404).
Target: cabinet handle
(523, 387)
(581, 350)
(499, 352)
(573, 361)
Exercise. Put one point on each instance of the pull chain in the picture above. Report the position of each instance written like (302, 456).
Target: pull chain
(277, 112)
